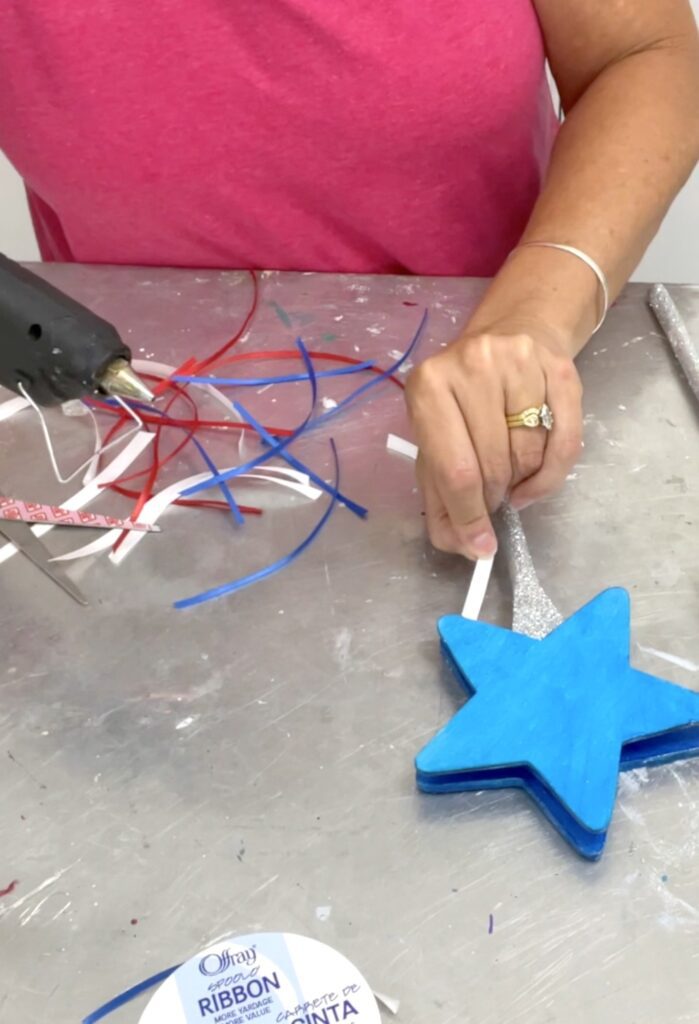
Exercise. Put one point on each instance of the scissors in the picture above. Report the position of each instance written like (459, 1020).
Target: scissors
(20, 535)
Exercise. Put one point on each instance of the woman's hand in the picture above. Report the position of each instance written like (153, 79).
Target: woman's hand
(469, 460)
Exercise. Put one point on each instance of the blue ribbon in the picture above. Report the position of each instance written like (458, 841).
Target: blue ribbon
(235, 511)
(265, 436)
(280, 446)
(289, 378)
(375, 380)
(261, 574)
(277, 448)
(128, 995)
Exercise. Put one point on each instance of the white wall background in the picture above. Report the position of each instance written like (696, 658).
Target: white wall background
(16, 233)
(673, 256)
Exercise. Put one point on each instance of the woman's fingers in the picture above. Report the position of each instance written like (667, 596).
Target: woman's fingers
(563, 443)
(482, 405)
(453, 468)
(469, 460)
(439, 528)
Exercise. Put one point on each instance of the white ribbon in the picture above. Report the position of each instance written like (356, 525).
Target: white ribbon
(138, 443)
(161, 501)
(484, 566)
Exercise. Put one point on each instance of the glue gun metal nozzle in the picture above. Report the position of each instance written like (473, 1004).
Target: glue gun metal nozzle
(119, 379)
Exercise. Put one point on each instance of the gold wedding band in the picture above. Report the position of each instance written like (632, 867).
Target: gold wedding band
(535, 416)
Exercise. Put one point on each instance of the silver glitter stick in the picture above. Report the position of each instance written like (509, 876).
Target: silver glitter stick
(675, 330)
(533, 612)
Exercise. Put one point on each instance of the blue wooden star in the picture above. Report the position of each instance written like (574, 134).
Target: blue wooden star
(558, 717)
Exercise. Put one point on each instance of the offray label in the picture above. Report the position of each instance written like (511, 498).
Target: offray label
(266, 978)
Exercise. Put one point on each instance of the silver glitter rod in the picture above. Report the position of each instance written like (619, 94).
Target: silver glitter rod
(675, 330)
(533, 612)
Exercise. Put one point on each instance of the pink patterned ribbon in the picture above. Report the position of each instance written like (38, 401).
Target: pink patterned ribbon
(31, 512)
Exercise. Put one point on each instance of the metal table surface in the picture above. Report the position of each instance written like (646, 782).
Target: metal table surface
(248, 765)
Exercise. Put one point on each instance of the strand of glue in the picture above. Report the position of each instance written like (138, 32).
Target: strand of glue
(533, 612)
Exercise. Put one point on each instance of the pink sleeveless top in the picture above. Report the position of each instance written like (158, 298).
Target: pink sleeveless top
(339, 135)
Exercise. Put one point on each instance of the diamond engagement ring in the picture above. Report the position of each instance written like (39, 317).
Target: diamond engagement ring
(535, 416)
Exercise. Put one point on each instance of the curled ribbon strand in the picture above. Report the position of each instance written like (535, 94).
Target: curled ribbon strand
(261, 574)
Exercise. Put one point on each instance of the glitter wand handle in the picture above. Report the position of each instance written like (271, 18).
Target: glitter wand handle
(533, 612)
(675, 330)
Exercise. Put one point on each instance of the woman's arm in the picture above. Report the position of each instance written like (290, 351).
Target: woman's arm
(628, 75)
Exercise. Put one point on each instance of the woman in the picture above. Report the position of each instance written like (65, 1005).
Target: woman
(377, 137)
